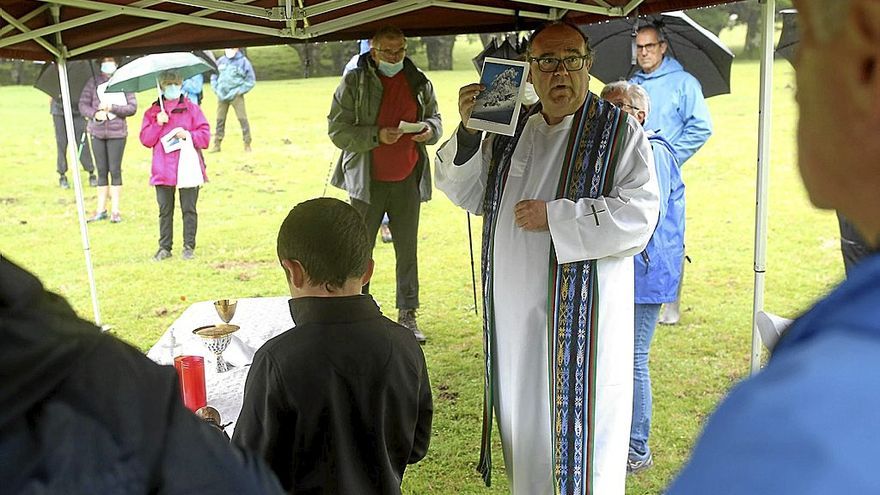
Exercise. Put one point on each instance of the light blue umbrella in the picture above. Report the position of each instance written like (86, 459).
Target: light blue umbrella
(142, 73)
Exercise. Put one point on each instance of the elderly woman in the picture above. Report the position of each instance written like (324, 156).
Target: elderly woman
(106, 113)
(177, 131)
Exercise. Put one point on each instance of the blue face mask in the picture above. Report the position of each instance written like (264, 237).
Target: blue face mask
(171, 92)
(390, 70)
(108, 67)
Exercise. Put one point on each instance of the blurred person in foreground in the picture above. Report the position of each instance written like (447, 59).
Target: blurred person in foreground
(341, 403)
(83, 413)
(808, 422)
(566, 203)
(657, 268)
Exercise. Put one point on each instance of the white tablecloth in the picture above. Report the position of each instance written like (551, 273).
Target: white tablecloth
(260, 319)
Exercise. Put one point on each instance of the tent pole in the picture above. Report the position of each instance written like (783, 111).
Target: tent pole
(73, 161)
(768, 10)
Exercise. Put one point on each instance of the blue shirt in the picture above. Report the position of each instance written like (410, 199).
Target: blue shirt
(809, 423)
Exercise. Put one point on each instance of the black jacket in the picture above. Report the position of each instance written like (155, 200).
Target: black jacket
(83, 413)
(339, 404)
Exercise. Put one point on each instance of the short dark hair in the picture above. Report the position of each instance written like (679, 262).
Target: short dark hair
(328, 237)
(386, 32)
(569, 24)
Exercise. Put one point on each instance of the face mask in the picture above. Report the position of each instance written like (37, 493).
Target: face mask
(171, 92)
(108, 67)
(390, 70)
(230, 52)
(529, 95)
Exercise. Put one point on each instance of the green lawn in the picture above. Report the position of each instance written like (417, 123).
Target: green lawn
(693, 363)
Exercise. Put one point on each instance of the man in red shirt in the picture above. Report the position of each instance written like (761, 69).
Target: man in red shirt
(384, 165)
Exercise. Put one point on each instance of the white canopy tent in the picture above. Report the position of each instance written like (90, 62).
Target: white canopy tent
(69, 29)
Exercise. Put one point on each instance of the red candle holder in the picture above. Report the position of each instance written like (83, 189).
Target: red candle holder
(191, 371)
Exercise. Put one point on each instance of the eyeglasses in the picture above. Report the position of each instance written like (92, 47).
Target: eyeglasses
(393, 53)
(648, 46)
(623, 106)
(551, 64)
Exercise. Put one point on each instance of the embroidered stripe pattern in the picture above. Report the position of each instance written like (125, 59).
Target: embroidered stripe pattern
(572, 323)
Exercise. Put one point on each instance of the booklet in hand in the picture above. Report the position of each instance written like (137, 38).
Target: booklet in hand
(170, 141)
(496, 108)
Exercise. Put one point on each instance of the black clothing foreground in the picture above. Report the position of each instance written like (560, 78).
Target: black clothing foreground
(339, 404)
(83, 413)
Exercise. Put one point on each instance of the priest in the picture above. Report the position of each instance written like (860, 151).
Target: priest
(566, 202)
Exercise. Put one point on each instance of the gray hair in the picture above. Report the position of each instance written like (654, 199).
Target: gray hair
(637, 95)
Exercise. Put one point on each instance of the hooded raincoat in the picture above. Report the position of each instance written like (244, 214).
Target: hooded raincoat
(182, 113)
(678, 109)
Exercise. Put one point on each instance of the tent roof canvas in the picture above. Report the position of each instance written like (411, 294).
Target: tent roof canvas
(90, 28)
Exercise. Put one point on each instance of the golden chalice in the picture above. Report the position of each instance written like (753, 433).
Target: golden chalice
(225, 308)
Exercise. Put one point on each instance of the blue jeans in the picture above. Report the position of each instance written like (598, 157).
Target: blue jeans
(645, 322)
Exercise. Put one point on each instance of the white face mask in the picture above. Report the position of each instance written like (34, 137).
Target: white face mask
(108, 67)
(529, 95)
(390, 70)
(230, 52)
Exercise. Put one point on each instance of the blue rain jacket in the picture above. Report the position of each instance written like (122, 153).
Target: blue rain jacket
(658, 267)
(678, 109)
(236, 77)
(192, 88)
(808, 423)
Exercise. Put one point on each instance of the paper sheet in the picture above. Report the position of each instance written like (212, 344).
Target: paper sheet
(412, 127)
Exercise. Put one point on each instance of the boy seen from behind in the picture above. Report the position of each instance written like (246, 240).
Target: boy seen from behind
(341, 403)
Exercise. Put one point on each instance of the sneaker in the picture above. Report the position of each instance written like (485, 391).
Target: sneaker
(635, 467)
(162, 254)
(247, 147)
(188, 253)
(62, 181)
(216, 148)
(407, 318)
(98, 217)
(386, 233)
(115, 217)
(93, 180)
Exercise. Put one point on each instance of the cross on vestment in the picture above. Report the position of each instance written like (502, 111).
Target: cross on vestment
(595, 214)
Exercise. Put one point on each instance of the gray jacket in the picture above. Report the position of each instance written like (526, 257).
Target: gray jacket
(352, 126)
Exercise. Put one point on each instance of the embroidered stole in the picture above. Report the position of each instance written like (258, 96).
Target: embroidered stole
(588, 170)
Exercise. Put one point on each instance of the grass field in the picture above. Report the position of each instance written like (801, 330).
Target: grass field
(693, 363)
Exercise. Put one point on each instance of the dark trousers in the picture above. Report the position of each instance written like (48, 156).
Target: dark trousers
(188, 198)
(401, 201)
(79, 127)
(108, 159)
(238, 105)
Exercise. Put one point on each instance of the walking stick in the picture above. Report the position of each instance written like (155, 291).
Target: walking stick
(473, 271)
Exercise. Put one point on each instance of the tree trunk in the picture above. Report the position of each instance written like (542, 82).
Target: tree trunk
(752, 46)
(439, 49)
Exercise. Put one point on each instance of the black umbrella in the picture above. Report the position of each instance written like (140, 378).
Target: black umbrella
(699, 51)
(790, 36)
(78, 73)
(208, 57)
(505, 50)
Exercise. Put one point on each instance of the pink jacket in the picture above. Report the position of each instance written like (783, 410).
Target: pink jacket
(181, 113)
